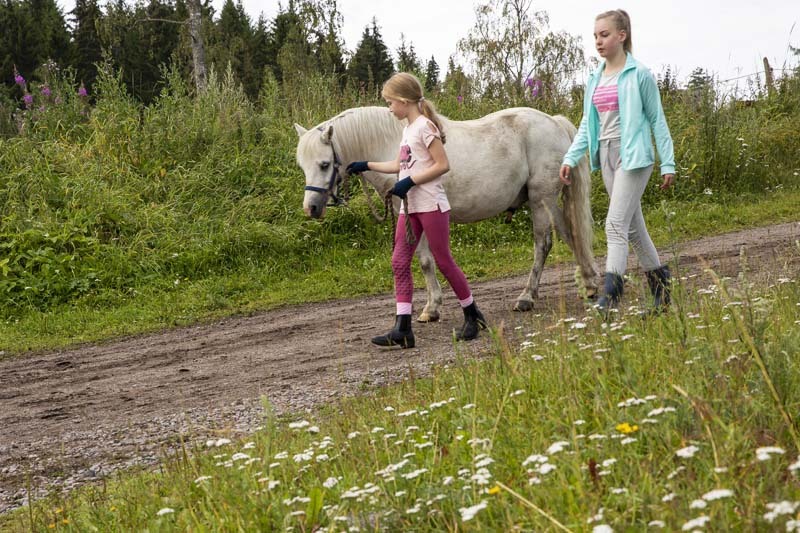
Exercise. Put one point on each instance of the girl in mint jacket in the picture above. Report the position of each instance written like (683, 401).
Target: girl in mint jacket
(621, 113)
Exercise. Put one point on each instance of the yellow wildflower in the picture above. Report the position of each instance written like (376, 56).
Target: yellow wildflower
(627, 428)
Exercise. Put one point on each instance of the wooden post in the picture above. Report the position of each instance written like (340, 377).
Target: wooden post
(768, 74)
(198, 48)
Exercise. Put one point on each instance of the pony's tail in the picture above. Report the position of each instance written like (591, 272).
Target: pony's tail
(578, 209)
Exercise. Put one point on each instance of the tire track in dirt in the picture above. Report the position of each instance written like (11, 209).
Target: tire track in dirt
(122, 403)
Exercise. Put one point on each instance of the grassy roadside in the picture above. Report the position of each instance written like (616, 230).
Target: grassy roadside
(676, 423)
(355, 269)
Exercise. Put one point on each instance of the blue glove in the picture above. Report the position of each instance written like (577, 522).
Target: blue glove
(402, 187)
(357, 167)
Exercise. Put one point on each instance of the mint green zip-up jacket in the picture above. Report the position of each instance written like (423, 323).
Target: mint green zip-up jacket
(640, 112)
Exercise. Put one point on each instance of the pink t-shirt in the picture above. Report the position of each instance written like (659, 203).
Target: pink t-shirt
(414, 159)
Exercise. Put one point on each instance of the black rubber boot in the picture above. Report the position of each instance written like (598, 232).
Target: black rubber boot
(612, 292)
(659, 281)
(473, 323)
(400, 335)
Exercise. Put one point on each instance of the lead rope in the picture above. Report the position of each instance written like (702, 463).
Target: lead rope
(389, 208)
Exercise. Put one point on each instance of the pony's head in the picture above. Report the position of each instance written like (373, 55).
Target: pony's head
(320, 163)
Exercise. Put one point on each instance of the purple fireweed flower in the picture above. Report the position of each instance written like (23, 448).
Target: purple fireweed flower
(460, 99)
(82, 91)
(28, 99)
(46, 90)
(19, 80)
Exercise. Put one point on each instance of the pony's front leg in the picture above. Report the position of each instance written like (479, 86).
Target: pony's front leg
(431, 311)
(543, 240)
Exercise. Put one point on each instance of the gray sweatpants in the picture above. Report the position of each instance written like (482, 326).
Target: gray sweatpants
(625, 222)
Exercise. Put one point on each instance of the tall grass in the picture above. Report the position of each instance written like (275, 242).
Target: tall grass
(103, 204)
(569, 423)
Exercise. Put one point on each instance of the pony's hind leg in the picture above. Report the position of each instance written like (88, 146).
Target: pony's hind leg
(543, 220)
(428, 266)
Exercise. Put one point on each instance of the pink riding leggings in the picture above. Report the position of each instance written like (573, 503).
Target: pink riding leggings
(436, 226)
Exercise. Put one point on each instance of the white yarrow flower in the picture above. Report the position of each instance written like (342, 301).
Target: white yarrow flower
(695, 523)
(765, 453)
(165, 510)
(717, 494)
(687, 452)
(468, 513)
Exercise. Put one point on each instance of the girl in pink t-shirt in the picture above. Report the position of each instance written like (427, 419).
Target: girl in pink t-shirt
(420, 165)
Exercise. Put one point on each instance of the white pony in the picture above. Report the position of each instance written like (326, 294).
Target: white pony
(497, 163)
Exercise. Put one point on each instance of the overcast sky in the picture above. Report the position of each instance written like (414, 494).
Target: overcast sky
(729, 38)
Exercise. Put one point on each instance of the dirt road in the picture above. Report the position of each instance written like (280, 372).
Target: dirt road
(73, 416)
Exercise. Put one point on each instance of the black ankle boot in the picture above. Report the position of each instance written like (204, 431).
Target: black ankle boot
(473, 323)
(400, 335)
(659, 281)
(612, 292)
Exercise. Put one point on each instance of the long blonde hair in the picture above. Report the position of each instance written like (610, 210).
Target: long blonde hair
(407, 88)
(623, 23)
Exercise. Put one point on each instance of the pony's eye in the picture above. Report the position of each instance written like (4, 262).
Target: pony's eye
(325, 165)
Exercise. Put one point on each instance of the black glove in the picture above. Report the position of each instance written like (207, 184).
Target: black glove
(402, 187)
(357, 167)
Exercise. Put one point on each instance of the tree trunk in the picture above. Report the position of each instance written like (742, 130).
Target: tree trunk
(198, 48)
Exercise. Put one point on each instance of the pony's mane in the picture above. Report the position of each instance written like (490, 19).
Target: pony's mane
(358, 131)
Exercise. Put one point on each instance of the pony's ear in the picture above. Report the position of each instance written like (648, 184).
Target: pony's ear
(327, 133)
(299, 129)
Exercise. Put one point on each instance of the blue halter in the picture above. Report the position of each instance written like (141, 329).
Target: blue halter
(335, 181)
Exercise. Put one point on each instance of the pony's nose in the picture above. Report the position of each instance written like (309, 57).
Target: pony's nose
(314, 210)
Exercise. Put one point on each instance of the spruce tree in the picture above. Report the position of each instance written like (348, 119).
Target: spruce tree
(431, 75)
(88, 47)
(371, 63)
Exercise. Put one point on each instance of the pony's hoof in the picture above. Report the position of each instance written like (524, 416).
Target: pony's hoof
(428, 317)
(523, 306)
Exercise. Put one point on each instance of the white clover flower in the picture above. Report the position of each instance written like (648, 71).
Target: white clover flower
(687, 452)
(468, 513)
(695, 523)
(765, 453)
(717, 494)
(165, 510)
